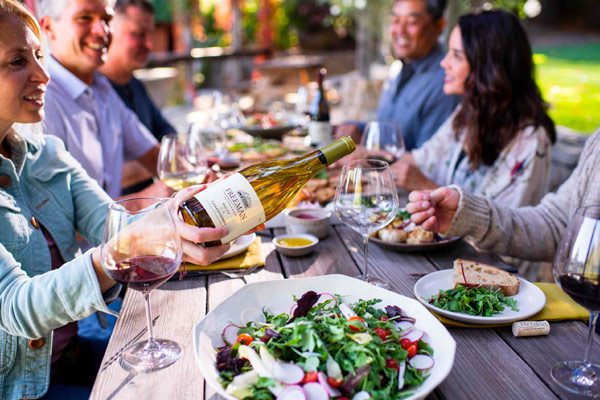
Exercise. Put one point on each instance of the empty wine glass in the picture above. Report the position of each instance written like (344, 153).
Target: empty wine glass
(143, 258)
(366, 201)
(181, 161)
(383, 139)
(576, 270)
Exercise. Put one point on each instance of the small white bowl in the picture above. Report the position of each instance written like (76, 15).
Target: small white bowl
(315, 221)
(295, 251)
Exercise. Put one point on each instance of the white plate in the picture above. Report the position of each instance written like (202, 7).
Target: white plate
(530, 299)
(277, 297)
(239, 245)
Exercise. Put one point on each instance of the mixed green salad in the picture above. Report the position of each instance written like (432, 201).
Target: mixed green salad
(478, 301)
(325, 348)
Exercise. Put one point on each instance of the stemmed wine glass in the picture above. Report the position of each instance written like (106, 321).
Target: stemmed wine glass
(143, 258)
(576, 270)
(383, 139)
(366, 200)
(181, 161)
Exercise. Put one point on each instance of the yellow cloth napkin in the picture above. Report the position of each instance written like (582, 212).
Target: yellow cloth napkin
(253, 257)
(559, 307)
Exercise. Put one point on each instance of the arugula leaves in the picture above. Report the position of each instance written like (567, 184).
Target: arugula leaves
(474, 301)
(319, 331)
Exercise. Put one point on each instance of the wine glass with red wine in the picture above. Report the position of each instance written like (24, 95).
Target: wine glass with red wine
(576, 270)
(142, 249)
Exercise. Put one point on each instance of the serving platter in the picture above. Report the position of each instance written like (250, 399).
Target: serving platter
(530, 300)
(416, 248)
(278, 297)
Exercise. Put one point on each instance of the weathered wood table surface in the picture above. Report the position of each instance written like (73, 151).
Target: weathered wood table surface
(489, 363)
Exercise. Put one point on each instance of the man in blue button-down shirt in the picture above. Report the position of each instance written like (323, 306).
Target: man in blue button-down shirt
(412, 97)
(82, 108)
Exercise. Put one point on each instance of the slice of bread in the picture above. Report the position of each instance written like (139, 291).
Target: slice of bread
(481, 275)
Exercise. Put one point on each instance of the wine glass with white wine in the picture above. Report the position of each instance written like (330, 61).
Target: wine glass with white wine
(383, 140)
(366, 200)
(181, 161)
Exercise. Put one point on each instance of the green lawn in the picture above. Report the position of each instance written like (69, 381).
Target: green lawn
(569, 78)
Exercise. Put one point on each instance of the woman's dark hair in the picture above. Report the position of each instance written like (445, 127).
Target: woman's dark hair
(501, 97)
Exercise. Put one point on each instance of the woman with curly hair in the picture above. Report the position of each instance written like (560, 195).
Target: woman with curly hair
(497, 142)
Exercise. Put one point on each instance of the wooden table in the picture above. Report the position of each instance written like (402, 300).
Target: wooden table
(489, 363)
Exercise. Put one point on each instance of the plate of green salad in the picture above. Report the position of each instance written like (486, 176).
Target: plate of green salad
(477, 305)
(327, 337)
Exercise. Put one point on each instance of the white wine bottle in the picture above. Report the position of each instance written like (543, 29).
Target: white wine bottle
(259, 192)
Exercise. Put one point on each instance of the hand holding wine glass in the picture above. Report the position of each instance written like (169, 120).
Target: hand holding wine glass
(143, 259)
(366, 200)
(181, 161)
(577, 271)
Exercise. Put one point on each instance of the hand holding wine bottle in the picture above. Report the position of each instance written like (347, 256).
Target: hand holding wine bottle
(259, 192)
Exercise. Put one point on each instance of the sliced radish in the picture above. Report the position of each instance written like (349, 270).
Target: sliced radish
(327, 296)
(332, 392)
(421, 362)
(361, 396)
(294, 392)
(346, 311)
(413, 334)
(315, 391)
(401, 369)
(290, 374)
(287, 373)
(230, 333)
(404, 325)
(276, 389)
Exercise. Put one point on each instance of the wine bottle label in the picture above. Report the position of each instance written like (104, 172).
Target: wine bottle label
(319, 132)
(232, 202)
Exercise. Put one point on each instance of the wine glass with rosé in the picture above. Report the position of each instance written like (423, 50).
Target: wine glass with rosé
(577, 271)
(142, 249)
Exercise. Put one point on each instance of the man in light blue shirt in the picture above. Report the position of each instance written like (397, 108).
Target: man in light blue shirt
(82, 108)
(413, 96)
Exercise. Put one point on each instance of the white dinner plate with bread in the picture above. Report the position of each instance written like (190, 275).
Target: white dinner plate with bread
(530, 299)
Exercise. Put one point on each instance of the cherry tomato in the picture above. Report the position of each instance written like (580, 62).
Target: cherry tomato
(343, 398)
(310, 376)
(412, 350)
(357, 324)
(405, 343)
(244, 339)
(334, 383)
(391, 363)
(382, 333)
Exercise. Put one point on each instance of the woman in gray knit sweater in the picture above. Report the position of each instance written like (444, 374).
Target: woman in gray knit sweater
(531, 233)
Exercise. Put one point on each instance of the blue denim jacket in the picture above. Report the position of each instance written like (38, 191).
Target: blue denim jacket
(44, 182)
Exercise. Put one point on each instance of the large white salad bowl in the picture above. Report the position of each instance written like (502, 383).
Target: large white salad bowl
(277, 296)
